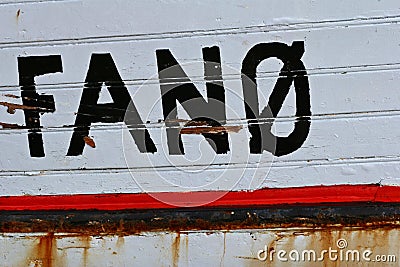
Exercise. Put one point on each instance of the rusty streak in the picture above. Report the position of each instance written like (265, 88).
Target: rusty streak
(110, 228)
(11, 126)
(49, 251)
(175, 250)
(46, 249)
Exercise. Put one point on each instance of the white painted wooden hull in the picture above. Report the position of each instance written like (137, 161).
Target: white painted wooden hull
(350, 154)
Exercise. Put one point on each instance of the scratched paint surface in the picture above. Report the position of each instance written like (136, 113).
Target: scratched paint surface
(351, 54)
(199, 248)
(351, 57)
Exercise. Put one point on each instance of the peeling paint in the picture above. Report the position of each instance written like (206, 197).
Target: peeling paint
(89, 141)
(44, 252)
(212, 129)
(11, 107)
(12, 96)
(11, 125)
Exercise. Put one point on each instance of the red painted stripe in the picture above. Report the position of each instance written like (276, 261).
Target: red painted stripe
(338, 194)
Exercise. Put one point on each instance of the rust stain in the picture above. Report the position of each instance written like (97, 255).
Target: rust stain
(376, 239)
(18, 13)
(175, 249)
(120, 242)
(11, 95)
(11, 126)
(136, 227)
(89, 141)
(204, 127)
(11, 107)
(85, 244)
(211, 129)
(45, 251)
(186, 244)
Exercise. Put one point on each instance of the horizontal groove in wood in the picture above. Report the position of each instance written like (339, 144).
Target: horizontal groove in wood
(24, 2)
(315, 25)
(395, 159)
(336, 70)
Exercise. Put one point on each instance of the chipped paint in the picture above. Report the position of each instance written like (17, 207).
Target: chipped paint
(11, 107)
(11, 125)
(89, 141)
(211, 129)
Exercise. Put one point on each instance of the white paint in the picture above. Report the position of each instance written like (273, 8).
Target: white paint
(42, 20)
